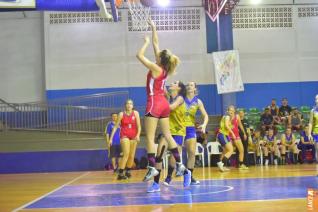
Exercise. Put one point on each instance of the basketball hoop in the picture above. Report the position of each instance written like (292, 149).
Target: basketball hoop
(139, 15)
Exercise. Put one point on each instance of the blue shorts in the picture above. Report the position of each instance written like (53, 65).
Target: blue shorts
(178, 139)
(190, 133)
(315, 137)
(223, 139)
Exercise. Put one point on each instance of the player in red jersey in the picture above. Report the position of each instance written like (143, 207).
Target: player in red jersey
(157, 105)
(130, 129)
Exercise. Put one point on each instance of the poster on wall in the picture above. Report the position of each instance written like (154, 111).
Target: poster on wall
(17, 3)
(227, 71)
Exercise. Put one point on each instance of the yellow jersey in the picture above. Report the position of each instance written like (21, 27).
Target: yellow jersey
(192, 107)
(315, 121)
(177, 120)
(223, 128)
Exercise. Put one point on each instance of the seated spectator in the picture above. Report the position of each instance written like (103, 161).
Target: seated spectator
(267, 120)
(270, 145)
(244, 139)
(284, 112)
(254, 142)
(296, 120)
(288, 142)
(274, 109)
(306, 143)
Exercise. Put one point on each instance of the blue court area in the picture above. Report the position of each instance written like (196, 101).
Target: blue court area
(208, 191)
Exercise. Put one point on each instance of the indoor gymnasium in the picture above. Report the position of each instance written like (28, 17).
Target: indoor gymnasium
(158, 105)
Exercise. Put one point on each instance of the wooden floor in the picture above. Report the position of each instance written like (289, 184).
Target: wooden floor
(19, 190)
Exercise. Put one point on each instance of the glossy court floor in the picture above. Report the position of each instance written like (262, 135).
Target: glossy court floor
(273, 188)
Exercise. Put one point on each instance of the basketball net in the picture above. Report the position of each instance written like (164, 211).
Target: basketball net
(139, 15)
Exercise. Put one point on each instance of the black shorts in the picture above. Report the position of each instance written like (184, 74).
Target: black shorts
(115, 151)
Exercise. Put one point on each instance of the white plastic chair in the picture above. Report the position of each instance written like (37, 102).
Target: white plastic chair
(165, 159)
(200, 152)
(213, 149)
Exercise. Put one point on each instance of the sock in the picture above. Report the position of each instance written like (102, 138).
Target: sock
(176, 154)
(295, 158)
(151, 159)
(128, 170)
(275, 157)
(170, 171)
(191, 170)
(240, 163)
(157, 177)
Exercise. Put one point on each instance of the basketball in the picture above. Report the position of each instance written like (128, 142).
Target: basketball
(147, 3)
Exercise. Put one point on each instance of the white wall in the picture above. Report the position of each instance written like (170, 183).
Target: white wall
(279, 54)
(21, 43)
(101, 55)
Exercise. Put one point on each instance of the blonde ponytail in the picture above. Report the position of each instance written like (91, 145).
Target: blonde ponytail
(173, 63)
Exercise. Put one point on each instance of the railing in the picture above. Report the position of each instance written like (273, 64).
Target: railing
(79, 114)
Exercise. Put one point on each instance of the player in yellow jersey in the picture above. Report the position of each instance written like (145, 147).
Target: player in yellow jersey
(177, 106)
(223, 137)
(313, 125)
(193, 104)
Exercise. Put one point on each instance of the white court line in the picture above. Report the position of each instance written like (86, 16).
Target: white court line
(37, 199)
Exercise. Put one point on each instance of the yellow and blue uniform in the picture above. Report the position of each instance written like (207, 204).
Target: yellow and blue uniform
(315, 124)
(223, 134)
(177, 122)
(192, 107)
(270, 140)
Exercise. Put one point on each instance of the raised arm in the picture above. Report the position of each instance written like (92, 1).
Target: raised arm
(176, 103)
(154, 68)
(155, 40)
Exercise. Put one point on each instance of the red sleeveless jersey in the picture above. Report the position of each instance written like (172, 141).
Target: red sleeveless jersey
(156, 86)
(235, 128)
(128, 126)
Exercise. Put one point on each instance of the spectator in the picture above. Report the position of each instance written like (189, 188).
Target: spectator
(274, 109)
(270, 145)
(284, 111)
(114, 151)
(288, 142)
(306, 143)
(296, 120)
(267, 120)
(254, 142)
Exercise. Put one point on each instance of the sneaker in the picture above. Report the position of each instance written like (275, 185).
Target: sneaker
(180, 168)
(155, 187)
(266, 162)
(128, 174)
(275, 162)
(221, 166)
(167, 181)
(151, 173)
(116, 171)
(243, 167)
(122, 177)
(226, 169)
(187, 178)
(195, 182)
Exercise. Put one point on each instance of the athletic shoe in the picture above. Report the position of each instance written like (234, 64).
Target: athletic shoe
(128, 174)
(221, 166)
(167, 181)
(155, 187)
(180, 168)
(121, 177)
(151, 173)
(243, 167)
(195, 182)
(187, 178)
(226, 169)
(275, 162)
(266, 162)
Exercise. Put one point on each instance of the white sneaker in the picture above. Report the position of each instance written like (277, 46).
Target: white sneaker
(180, 168)
(226, 169)
(275, 162)
(221, 166)
(152, 171)
(266, 162)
